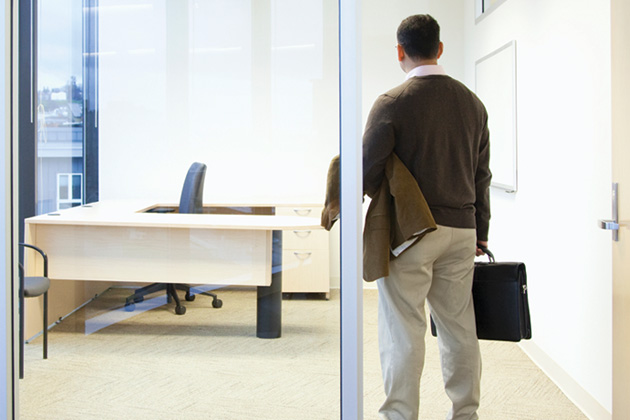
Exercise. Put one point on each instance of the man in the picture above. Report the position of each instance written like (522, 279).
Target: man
(438, 128)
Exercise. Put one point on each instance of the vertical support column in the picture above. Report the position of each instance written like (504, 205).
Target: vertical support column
(351, 210)
(27, 100)
(10, 57)
(269, 298)
(90, 101)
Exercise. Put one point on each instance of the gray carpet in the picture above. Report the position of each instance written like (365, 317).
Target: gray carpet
(208, 364)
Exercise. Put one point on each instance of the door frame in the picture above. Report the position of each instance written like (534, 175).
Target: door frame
(620, 107)
(351, 209)
(8, 175)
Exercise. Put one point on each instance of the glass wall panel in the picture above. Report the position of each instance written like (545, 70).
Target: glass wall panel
(248, 89)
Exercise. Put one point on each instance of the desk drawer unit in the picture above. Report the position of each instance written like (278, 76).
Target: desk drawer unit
(305, 256)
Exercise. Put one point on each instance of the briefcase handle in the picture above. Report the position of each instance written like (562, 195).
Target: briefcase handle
(487, 252)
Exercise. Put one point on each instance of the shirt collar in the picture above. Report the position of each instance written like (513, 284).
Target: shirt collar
(427, 70)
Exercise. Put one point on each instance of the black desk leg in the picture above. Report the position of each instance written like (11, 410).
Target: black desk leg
(269, 298)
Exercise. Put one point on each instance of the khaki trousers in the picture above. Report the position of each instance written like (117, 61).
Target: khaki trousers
(439, 270)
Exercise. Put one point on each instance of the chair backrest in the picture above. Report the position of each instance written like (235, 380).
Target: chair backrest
(191, 200)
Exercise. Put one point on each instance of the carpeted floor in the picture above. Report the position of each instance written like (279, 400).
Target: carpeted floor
(106, 363)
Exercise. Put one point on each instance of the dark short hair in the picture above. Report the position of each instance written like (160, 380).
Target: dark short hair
(419, 35)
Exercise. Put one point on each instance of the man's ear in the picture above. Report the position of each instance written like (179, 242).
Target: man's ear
(440, 49)
(401, 52)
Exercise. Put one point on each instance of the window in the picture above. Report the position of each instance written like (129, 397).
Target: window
(58, 129)
(69, 190)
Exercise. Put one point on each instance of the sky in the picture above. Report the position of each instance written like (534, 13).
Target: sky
(59, 42)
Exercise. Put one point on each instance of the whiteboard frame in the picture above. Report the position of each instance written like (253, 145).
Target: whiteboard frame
(508, 185)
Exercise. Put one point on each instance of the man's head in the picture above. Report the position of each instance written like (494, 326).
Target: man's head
(419, 37)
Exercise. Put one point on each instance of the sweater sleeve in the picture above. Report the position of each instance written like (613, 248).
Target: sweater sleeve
(482, 185)
(378, 144)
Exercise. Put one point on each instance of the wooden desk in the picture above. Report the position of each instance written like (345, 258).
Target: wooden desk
(120, 241)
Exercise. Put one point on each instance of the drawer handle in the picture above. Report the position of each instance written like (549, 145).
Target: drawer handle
(302, 256)
(302, 212)
(302, 233)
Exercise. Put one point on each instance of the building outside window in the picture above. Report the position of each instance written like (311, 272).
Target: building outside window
(69, 190)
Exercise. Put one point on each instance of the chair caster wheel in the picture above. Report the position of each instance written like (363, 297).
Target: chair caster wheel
(189, 297)
(180, 310)
(130, 307)
(217, 303)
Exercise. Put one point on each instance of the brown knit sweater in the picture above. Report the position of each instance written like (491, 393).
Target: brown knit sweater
(438, 128)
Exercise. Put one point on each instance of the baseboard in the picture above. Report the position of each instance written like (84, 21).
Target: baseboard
(574, 391)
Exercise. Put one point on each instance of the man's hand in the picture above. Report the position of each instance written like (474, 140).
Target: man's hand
(483, 244)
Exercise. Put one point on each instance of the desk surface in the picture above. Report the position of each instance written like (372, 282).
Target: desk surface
(133, 213)
(120, 241)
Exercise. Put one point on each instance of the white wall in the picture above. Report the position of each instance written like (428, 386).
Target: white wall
(249, 88)
(564, 178)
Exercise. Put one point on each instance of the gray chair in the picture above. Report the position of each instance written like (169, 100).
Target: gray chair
(33, 286)
(191, 201)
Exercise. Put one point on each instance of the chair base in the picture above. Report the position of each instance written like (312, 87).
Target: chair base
(171, 295)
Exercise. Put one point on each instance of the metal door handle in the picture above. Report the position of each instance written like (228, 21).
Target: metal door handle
(613, 224)
(608, 225)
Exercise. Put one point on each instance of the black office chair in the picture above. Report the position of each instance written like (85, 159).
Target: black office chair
(191, 201)
(33, 286)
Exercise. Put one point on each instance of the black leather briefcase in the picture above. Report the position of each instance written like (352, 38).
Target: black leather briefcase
(500, 298)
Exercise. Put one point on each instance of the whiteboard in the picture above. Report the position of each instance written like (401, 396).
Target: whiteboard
(495, 85)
